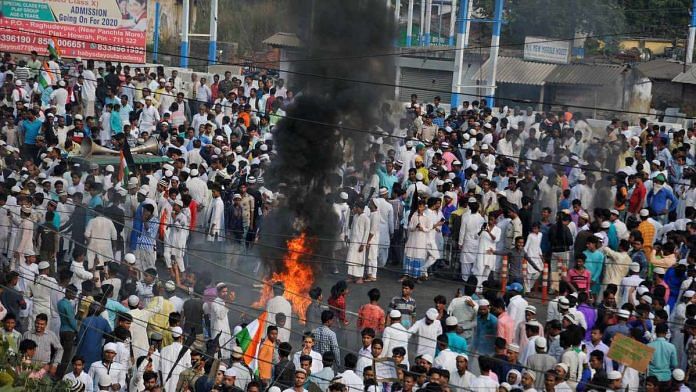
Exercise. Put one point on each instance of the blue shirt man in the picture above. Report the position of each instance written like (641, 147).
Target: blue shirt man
(32, 127)
(486, 329)
(658, 197)
(664, 359)
(66, 311)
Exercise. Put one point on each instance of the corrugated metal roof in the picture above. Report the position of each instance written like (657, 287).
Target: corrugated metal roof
(283, 40)
(516, 70)
(585, 74)
(688, 77)
(661, 69)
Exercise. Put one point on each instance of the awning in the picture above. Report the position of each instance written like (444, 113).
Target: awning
(662, 69)
(517, 71)
(586, 74)
(104, 160)
(687, 77)
(283, 40)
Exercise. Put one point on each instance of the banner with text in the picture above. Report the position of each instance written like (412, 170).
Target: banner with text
(113, 30)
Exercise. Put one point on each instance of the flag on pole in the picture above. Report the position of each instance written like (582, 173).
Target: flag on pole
(125, 163)
(249, 340)
(53, 48)
(46, 76)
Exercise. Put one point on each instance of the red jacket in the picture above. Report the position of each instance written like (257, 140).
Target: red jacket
(636, 201)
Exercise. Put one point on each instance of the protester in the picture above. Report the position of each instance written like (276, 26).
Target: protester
(517, 206)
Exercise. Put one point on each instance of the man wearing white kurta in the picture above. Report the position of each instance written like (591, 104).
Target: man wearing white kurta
(395, 335)
(175, 237)
(485, 263)
(100, 233)
(169, 355)
(149, 117)
(373, 240)
(342, 211)
(41, 291)
(359, 233)
(582, 192)
(215, 221)
(427, 329)
(469, 234)
(217, 310)
(138, 328)
(386, 227)
(279, 304)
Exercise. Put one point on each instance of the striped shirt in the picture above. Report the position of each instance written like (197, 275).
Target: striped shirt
(45, 342)
(148, 236)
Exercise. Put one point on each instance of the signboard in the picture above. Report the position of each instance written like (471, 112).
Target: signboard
(113, 30)
(631, 353)
(547, 50)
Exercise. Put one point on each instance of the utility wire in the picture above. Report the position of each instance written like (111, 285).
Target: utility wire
(387, 84)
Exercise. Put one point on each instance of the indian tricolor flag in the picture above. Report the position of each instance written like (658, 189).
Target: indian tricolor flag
(249, 340)
(123, 172)
(125, 163)
(53, 48)
(46, 76)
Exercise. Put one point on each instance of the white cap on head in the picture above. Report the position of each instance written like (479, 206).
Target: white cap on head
(170, 286)
(513, 347)
(624, 314)
(431, 314)
(129, 258)
(427, 357)
(635, 267)
(563, 366)
(614, 375)
(644, 212)
(44, 265)
(451, 321)
(109, 168)
(274, 389)
(530, 373)
(689, 293)
(419, 176)
(231, 372)
(606, 225)
(531, 309)
(395, 314)
(659, 270)
(343, 196)
(110, 347)
(540, 342)
(133, 300)
(176, 332)
(614, 211)
(677, 374)
(483, 302)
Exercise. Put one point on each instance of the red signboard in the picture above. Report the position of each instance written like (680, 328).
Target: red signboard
(112, 30)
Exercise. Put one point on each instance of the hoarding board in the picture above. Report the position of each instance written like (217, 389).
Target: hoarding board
(547, 50)
(113, 30)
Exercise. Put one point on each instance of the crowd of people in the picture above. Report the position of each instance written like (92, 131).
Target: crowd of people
(100, 293)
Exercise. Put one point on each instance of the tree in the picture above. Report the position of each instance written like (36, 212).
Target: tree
(554, 19)
(657, 18)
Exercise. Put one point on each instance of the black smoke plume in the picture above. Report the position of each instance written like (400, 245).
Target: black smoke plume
(309, 146)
